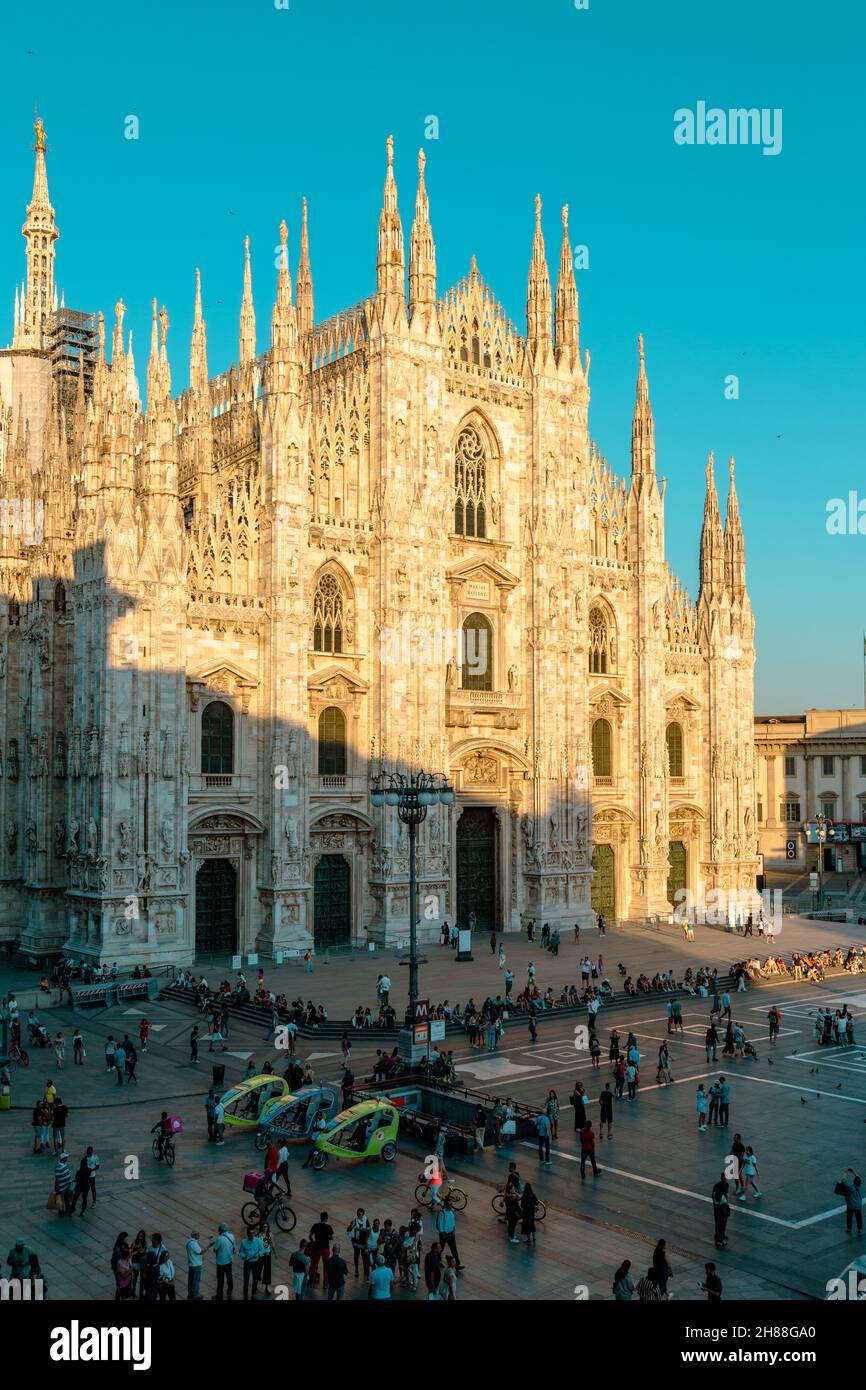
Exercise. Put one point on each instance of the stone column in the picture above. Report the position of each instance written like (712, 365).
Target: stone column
(846, 813)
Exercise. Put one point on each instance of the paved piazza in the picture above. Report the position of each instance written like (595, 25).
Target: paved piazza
(804, 1115)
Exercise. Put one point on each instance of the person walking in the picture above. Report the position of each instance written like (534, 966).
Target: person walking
(143, 1033)
(738, 1151)
(433, 1270)
(509, 981)
(59, 1117)
(702, 1109)
(587, 1150)
(663, 1072)
(165, 1278)
(111, 1055)
(605, 1109)
(78, 1053)
(319, 1248)
(851, 1185)
(219, 1115)
(358, 1231)
(59, 1049)
(194, 1255)
(493, 943)
(749, 1174)
(251, 1251)
(551, 1108)
(619, 1070)
(448, 1287)
(64, 1184)
(721, 1210)
(480, 1126)
(446, 1229)
(193, 1046)
(82, 1179)
(533, 1027)
(299, 1263)
(713, 1097)
(712, 1043)
(631, 1078)
(774, 1020)
(528, 1207)
(724, 1100)
(501, 957)
(119, 1062)
(512, 1213)
(662, 1267)
(336, 1270)
(282, 1168)
(223, 1246)
(131, 1064)
(712, 1284)
(92, 1161)
(542, 1126)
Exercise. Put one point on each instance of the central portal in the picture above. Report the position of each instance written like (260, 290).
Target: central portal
(476, 867)
(216, 918)
(332, 903)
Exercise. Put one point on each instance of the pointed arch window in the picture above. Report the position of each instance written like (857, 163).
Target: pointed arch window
(328, 617)
(217, 739)
(602, 750)
(332, 742)
(476, 668)
(470, 484)
(676, 760)
(599, 643)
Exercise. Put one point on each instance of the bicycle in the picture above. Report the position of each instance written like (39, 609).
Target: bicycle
(18, 1054)
(163, 1148)
(426, 1195)
(279, 1211)
(498, 1205)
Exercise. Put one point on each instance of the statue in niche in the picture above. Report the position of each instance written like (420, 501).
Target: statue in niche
(12, 769)
(72, 838)
(92, 839)
(60, 757)
(166, 835)
(11, 836)
(30, 837)
(125, 837)
(59, 837)
(123, 751)
(512, 678)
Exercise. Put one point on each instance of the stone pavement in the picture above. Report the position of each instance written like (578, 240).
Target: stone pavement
(659, 1169)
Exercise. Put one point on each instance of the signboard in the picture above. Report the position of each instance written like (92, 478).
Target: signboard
(813, 882)
(236, 962)
(422, 1010)
(790, 849)
(278, 957)
(858, 832)
(437, 1030)
(838, 833)
(252, 960)
(421, 1033)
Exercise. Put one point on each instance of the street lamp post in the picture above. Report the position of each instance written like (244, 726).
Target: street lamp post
(412, 795)
(821, 833)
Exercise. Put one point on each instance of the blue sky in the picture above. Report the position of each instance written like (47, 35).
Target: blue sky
(729, 261)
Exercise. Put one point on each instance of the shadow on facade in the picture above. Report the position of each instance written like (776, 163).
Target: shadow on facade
(155, 811)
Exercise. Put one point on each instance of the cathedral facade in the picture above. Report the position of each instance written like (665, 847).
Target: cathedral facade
(386, 544)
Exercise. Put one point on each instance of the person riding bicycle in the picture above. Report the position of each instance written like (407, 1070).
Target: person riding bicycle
(163, 1131)
(266, 1195)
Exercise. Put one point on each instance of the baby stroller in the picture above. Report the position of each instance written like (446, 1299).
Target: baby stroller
(749, 1051)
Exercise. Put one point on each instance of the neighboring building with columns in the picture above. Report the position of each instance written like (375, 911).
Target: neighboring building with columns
(387, 543)
(809, 764)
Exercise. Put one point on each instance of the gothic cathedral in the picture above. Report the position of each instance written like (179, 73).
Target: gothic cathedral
(386, 544)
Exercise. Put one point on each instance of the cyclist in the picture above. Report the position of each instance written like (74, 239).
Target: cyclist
(163, 1130)
(266, 1195)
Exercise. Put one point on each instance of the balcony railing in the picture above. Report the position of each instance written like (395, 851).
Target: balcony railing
(218, 779)
(332, 784)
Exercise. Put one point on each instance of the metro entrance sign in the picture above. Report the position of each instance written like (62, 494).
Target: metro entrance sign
(422, 1011)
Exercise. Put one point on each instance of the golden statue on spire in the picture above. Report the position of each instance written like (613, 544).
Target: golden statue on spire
(40, 135)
